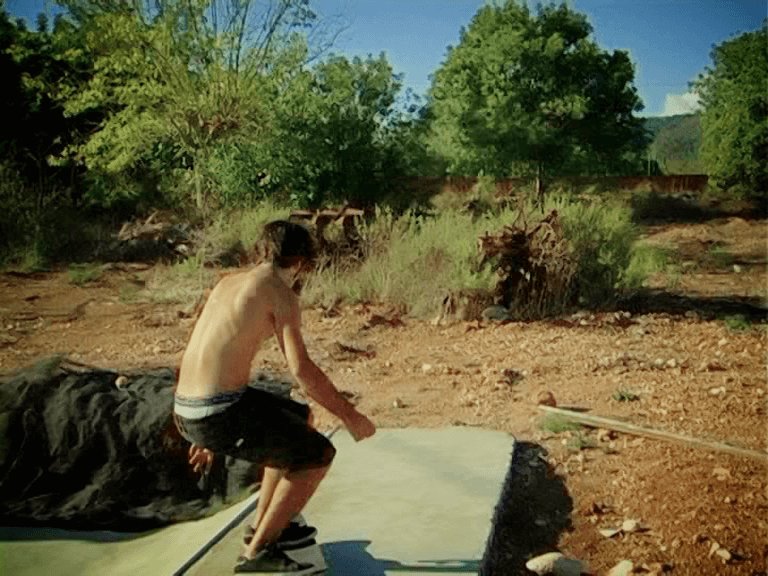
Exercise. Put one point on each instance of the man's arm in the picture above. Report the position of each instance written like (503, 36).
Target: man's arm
(317, 385)
(314, 381)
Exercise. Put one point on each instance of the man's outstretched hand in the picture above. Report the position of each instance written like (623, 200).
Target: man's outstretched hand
(360, 427)
(200, 458)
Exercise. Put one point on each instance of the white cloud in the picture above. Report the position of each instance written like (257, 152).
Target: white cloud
(687, 103)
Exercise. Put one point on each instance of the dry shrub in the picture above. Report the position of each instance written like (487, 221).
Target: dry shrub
(536, 268)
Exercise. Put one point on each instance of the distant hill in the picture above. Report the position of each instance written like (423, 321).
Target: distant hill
(675, 142)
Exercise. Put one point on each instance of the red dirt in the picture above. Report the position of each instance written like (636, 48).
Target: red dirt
(693, 376)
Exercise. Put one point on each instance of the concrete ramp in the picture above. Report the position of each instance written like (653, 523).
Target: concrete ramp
(403, 502)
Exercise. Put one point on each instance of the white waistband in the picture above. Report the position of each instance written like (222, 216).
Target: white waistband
(195, 408)
(196, 412)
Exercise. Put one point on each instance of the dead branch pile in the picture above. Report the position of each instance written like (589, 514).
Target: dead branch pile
(346, 245)
(156, 228)
(158, 236)
(536, 269)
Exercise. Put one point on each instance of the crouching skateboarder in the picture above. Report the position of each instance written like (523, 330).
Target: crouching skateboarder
(217, 411)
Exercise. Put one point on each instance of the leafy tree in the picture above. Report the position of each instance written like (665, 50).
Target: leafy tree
(332, 132)
(38, 179)
(523, 94)
(36, 66)
(734, 122)
(193, 74)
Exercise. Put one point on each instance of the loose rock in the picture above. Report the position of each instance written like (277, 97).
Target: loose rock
(622, 568)
(630, 526)
(604, 435)
(121, 382)
(555, 563)
(721, 473)
(546, 399)
(609, 532)
(714, 547)
(724, 554)
(544, 564)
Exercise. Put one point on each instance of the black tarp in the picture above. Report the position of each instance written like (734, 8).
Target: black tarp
(77, 452)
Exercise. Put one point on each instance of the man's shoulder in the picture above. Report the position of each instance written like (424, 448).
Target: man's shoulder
(265, 285)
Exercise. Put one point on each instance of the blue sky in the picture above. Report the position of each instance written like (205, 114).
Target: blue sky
(668, 40)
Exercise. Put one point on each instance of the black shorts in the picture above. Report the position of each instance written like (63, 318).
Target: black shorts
(261, 428)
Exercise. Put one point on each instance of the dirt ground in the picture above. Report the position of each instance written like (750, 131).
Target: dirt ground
(700, 511)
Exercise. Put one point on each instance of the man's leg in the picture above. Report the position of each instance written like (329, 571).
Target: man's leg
(268, 483)
(291, 494)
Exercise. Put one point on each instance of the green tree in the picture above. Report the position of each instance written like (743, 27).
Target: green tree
(333, 130)
(36, 66)
(190, 75)
(734, 121)
(39, 181)
(522, 94)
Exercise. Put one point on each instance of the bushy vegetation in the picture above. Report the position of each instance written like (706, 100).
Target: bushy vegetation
(734, 122)
(412, 259)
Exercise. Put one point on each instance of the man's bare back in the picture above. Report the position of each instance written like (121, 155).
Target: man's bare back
(238, 316)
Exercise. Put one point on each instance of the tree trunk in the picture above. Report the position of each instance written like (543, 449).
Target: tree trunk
(539, 186)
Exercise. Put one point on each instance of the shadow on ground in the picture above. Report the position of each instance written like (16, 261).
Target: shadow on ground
(534, 508)
(351, 557)
(708, 308)
(21, 533)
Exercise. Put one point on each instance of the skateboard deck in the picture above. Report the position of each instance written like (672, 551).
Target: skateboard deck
(221, 558)
(310, 555)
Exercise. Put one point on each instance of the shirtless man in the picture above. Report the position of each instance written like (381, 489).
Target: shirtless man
(217, 411)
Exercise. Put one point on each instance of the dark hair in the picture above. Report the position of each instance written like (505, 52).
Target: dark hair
(287, 243)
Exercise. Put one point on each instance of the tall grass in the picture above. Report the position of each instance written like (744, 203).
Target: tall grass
(602, 236)
(180, 283)
(413, 260)
(647, 259)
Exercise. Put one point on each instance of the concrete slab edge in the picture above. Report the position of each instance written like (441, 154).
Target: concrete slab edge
(248, 507)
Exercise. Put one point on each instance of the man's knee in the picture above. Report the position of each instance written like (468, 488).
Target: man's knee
(326, 456)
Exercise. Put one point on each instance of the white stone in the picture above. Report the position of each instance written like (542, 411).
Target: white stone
(426, 368)
(121, 382)
(724, 554)
(544, 564)
(622, 568)
(630, 526)
(714, 547)
(609, 532)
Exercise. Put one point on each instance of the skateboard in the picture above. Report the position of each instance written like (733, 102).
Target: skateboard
(310, 554)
